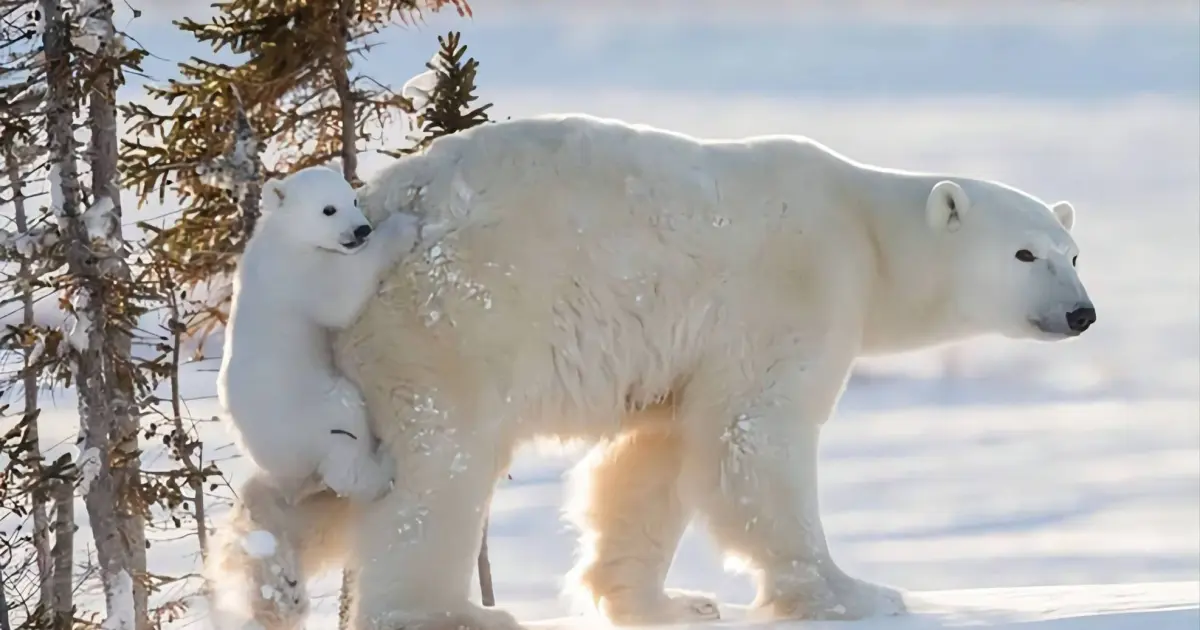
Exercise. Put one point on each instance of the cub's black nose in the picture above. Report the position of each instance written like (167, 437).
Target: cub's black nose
(362, 231)
(1081, 318)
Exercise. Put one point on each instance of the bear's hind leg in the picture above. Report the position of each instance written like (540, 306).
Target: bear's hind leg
(416, 547)
(628, 508)
(752, 466)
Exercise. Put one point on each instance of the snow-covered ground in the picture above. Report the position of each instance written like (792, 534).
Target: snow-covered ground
(1006, 484)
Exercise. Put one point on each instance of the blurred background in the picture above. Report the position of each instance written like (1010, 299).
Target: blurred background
(990, 463)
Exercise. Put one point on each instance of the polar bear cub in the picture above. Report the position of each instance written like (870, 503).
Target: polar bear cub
(312, 263)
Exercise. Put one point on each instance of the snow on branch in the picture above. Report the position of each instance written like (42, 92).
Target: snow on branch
(239, 166)
(30, 244)
(419, 89)
(92, 32)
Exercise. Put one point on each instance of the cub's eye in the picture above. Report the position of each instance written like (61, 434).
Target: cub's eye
(355, 203)
(329, 211)
(1074, 260)
(1025, 255)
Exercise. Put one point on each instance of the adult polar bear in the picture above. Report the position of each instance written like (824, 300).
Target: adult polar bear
(694, 308)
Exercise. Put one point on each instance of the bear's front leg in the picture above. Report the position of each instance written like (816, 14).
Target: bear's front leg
(753, 471)
(416, 547)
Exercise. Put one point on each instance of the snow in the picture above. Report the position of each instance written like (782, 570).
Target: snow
(78, 323)
(88, 465)
(98, 219)
(1161, 606)
(120, 603)
(90, 33)
(238, 166)
(259, 544)
(1005, 485)
(54, 183)
(30, 243)
(419, 89)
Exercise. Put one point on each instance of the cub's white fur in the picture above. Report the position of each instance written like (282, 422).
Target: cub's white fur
(309, 268)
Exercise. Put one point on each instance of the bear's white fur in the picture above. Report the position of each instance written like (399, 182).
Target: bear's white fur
(691, 307)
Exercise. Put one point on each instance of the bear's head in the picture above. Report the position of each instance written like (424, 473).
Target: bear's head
(1014, 270)
(316, 207)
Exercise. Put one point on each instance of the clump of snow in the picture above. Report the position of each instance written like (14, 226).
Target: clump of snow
(91, 33)
(54, 182)
(79, 323)
(259, 544)
(30, 243)
(238, 167)
(419, 89)
(121, 615)
(98, 219)
(37, 19)
(38, 349)
(88, 466)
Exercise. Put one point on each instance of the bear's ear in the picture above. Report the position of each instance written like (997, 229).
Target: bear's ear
(1065, 213)
(273, 193)
(334, 164)
(947, 205)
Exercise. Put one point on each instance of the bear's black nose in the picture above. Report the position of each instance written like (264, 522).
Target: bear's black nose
(1081, 318)
(362, 231)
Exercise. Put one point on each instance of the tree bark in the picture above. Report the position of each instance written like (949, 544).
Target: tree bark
(96, 394)
(38, 498)
(64, 555)
(346, 99)
(486, 592)
(5, 623)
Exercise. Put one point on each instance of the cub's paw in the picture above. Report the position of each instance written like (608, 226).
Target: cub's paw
(357, 472)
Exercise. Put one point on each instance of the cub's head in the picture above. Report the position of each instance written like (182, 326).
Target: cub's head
(1014, 261)
(316, 207)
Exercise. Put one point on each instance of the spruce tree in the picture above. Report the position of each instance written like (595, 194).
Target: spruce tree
(294, 89)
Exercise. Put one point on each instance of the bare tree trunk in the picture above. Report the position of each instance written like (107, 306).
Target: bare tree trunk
(346, 97)
(41, 520)
(63, 585)
(98, 398)
(195, 481)
(5, 624)
(487, 593)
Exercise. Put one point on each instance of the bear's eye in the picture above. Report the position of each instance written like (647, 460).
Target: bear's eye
(1074, 259)
(1024, 255)
(329, 211)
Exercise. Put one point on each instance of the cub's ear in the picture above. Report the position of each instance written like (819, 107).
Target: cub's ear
(946, 206)
(334, 164)
(274, 191)
(1065, 213)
